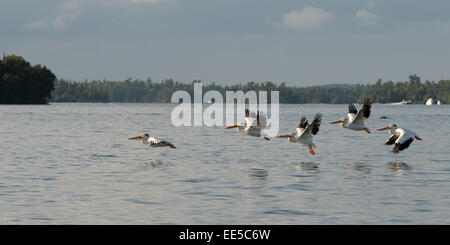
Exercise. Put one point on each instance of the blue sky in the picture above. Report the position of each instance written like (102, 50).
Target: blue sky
(229, 41)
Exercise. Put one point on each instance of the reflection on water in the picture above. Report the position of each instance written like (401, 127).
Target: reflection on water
(308, 167)
(257, 173)
(398, 168)
(359, 168)
(156, 164)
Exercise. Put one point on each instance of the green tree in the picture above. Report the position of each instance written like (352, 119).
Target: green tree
(22, 83)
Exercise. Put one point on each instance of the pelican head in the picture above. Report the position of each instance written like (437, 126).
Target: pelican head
(391, 127)
(146, 135)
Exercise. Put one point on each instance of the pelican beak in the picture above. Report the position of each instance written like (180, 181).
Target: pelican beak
(337, 121)
(136, 137)
(232, 126)
(385, 128)
(284, 136)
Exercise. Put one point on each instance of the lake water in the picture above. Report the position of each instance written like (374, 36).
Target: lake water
(73, 164)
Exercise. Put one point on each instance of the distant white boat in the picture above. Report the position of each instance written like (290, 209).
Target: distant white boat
(429, 101)
(438, 103)
(403, 102)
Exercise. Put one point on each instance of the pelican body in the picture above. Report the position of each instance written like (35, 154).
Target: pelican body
(253, 126)
(355, 120)
(151, 141)
(305, 132)
(399, 137)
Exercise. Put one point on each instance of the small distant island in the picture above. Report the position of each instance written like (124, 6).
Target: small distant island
(22, 83)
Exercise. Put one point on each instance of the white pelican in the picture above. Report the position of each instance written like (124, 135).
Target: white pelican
(399, 137)
(355, 119)
(305, 132)
(151, 141)
(253, 124)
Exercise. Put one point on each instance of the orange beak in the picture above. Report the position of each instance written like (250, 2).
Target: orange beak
(385, 128)
(232, 126)
(136, 137)
(284, 136)
(337, 121)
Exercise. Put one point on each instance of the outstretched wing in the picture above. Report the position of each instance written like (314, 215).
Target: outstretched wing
(392, 139)
(351, 112)
(260, 119)
(352, 108)
(249, 118)
(364, 113)
(303, 123)
(316, 123)
(400, 147)
(313, 128)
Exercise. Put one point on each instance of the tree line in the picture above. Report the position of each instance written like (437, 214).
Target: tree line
(147, 91)
(23, 83)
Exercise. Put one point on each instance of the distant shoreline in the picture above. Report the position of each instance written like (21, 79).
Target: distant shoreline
(139, 91)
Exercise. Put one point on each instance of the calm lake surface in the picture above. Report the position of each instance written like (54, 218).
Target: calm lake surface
(73, 164)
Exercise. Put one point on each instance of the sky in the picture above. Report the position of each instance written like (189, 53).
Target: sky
(303, 43)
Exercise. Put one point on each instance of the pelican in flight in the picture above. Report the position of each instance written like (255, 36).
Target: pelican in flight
(399, 137)
(151, 141)
(305, 132)
(253, 125)
(355, 119)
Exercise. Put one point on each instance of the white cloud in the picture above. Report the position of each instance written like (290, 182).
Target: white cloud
(308, 18)
(366, 17)
(68, 12)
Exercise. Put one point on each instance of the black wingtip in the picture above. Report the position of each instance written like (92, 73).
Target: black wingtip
(368, 101)
(318, 116)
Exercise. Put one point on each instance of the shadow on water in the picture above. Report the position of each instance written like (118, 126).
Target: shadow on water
(359, 168)
(153, 165)
(308, 167)
(398, 168)
(257, 173)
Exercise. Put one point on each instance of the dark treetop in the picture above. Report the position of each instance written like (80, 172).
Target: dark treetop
(22, 83)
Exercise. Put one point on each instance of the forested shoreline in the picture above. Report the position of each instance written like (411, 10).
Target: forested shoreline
(23, 83)
(140, 91)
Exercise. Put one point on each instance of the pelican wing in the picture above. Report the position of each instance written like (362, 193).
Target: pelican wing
(300, 131)
(364, 113)
(400, 147)
(260, 119)
(249, 122)
(392, 139)
(153, 141)
(313, 128)
(303, 123)
(401, 136)
(351, 112)
(352, 108)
